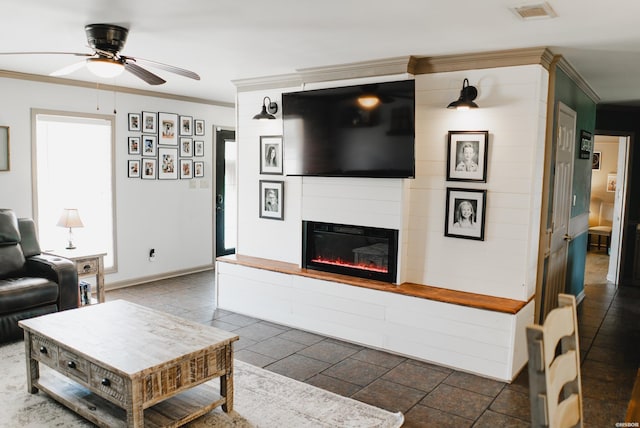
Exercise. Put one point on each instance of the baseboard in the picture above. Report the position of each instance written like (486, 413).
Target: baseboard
(580, 297)
(152, 278)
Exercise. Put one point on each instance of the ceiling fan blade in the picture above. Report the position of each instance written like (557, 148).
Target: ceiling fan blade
(166, 67)
(46, 53)
(69, 69)
(143, 74)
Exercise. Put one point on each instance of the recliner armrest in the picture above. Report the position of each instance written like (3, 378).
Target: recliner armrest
(60, 270)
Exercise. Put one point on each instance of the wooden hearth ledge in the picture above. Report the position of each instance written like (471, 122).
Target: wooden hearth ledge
(473, 300)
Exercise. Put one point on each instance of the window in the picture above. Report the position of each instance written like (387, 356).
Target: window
(74, 169)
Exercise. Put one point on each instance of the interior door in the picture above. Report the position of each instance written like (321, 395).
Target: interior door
(561, 209)
(619, 208)
(226, 191)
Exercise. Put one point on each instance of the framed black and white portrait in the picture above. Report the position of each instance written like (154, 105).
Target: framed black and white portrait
(271, 154)
(595, 161)
(272, 199)
(467, 156)
(465, 213)
(198, 127)
(186, 125)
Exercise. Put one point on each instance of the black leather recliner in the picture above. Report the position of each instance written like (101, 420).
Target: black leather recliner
(31, 283)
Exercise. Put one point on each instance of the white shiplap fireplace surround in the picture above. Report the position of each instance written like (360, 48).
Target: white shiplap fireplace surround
(513, 96)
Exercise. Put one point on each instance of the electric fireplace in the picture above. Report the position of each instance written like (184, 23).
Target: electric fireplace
(360, 251)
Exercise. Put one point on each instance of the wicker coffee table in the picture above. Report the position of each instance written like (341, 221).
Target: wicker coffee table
(119, 364)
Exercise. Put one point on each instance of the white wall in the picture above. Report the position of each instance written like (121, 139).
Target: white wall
(512, 108)
(512, 104)
(171, 216)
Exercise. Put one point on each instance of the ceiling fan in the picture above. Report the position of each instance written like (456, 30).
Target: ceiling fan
(107, 40)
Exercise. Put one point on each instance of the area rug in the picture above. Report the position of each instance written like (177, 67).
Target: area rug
(261, 399)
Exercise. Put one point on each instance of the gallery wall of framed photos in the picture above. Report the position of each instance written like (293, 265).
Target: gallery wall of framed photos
(166, 146)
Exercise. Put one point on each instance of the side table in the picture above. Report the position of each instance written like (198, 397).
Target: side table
(87, 264)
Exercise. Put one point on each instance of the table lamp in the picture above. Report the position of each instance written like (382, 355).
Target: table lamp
(70, 218)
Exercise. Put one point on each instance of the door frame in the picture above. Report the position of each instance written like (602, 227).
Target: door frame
(216, 130)
(624, 238)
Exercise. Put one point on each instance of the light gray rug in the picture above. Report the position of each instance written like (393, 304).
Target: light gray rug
(261, 399)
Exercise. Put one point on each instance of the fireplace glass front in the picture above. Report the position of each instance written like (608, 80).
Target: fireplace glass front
(364, 252)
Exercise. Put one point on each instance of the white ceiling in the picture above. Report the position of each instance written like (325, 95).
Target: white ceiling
(239, 39)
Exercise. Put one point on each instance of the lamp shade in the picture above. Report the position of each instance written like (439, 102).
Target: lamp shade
(467, 95)
(268, 110)
(70, 218)
(105, 67)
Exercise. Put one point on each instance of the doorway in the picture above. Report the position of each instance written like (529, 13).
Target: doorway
(226, 191)
(607, 207)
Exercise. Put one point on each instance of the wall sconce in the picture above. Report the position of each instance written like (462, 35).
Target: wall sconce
(467, 95)
(70, 218)
(268, 110)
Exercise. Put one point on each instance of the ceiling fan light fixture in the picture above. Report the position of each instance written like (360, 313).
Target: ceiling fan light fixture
(105, 67)
(467, 95)
(268, 110)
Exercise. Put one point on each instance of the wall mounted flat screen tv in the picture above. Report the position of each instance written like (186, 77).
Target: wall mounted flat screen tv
(329, 133)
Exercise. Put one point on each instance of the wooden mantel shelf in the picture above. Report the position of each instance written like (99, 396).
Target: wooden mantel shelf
(473, 300)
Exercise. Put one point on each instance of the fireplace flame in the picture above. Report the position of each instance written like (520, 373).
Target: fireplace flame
(363, 266)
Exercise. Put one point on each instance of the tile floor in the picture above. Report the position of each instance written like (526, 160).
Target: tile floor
(429, 395)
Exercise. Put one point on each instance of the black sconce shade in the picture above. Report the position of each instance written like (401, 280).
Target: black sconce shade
(268, 110)
(467, 95)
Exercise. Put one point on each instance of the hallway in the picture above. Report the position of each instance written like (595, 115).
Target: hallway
(429, 395)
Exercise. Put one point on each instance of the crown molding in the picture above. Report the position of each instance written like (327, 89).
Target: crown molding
(375, 68)
(267, 82)
(480, 60)
(568, 69)
(113, 88)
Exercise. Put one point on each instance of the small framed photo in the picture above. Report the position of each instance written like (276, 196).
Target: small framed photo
(149, 167)
(168, 167)
(134, 168)
(467, 156)
(186, 168)
(612, 181)
(186, 125)
(134, 122)
(198, 127)
(198, 169)
(149, 145)
(186, 146)
(272, 199)
(465, 213)
(198, 148)
(134, 145)
(595, 161)
(585, 144)
(271, 154)
(168, 127)
(149, 122)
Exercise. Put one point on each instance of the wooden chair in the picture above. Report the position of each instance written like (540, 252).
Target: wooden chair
(555, 387)
(600, 224)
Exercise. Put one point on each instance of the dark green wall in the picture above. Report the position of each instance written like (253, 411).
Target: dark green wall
(568, 92)
(620, 120)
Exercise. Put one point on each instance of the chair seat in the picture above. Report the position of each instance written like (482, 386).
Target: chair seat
(600, 230)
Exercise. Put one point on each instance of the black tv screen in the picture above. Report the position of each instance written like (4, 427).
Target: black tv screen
(327, 132)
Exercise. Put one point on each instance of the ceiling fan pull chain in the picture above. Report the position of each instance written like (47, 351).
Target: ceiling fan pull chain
(97, 96)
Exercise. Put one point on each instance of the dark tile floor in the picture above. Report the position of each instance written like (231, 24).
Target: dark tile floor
(429, 395)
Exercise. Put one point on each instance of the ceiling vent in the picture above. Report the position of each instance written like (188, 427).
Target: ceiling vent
(535, 11)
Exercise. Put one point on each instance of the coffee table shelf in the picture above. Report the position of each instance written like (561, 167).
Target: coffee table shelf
(173, 412)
